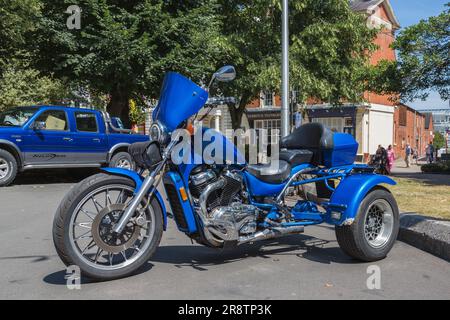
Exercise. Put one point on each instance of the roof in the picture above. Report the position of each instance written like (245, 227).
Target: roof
(436, 111)
(263, 110)
(410, 108)
(362, 5)
(368, 6)
(63, 107)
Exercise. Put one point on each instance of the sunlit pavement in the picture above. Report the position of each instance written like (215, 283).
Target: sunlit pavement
(309, 266)
(414, 172)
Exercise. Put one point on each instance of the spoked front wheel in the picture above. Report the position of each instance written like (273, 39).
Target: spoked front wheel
(82, 230)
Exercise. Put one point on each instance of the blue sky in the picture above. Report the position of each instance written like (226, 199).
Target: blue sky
(410, 12)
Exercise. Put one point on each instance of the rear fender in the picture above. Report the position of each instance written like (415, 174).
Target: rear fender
(350, 193)
(138, 180)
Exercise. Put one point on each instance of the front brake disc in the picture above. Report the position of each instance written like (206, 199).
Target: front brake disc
(103, 235)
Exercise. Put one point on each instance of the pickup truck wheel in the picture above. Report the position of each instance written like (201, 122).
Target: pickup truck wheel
(122, 160)
(8, 168)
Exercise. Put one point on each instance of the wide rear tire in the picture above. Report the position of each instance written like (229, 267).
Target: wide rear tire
(375, 229)
(64, 222)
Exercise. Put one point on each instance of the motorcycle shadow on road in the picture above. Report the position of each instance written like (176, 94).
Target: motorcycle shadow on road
(201, 258)
(53, 176)
(60, 277)
(301, 246)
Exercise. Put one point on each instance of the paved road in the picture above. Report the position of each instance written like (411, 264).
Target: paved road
(298, 267)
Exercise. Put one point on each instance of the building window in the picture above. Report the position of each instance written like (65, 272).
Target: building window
(273, 129)
(268, 99)
(295, 96)
(395, 133)
(402, 116)
(334, 124)
(349, 126)
(349, 122)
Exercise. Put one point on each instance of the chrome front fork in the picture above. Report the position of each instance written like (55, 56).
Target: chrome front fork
(147, 184)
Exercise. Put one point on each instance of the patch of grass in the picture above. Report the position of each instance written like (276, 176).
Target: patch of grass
(422, 198)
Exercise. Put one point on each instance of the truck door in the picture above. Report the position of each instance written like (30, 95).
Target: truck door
(90, 137)
(49, 140)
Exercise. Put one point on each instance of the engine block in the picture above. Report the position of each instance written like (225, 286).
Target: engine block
(241, 216)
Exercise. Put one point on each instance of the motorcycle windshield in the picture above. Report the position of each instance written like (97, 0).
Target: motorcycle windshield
(180, 99)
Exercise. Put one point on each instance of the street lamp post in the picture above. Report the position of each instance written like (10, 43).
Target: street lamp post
(285, 112)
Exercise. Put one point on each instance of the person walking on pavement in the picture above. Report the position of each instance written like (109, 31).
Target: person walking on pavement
(390, 159)
(416, 156)
(430, 152)
(408, 152)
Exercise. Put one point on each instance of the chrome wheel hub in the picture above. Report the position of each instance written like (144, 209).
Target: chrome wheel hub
(4, 168)
(379, 223)
(102, 233)
(124, 164)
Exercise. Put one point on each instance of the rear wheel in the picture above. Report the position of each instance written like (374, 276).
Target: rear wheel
(8, 168)
(375, 229)
(82, 229)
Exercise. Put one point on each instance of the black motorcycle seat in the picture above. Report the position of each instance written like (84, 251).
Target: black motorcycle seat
(274, 173)
(297, 157)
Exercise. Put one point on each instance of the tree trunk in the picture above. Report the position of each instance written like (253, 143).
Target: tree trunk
(237, 113)
(119, 106)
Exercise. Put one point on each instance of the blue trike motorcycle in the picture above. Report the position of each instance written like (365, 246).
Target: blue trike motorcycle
(110, 224)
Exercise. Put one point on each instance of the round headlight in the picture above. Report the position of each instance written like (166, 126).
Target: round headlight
(158, 133)
(155, 132)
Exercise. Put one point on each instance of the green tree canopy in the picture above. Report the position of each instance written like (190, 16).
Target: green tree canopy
(17, 20)
(439, 140)
(124, 47)
(424, 59)
(24, 86)
(20, 84)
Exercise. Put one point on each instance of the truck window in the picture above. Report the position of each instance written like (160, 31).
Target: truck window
(86, 122)
(16, 117)
(55, 120)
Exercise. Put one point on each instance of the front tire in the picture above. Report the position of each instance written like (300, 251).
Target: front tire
(8, 168)
(82, 224)
(375, 229)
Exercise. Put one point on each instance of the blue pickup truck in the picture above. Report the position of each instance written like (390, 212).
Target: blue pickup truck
(42, 137)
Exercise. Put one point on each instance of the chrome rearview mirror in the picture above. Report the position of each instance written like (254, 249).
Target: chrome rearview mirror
(38, 125)
(224, 74)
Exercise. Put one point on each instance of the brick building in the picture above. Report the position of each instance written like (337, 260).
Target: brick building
(411, 127)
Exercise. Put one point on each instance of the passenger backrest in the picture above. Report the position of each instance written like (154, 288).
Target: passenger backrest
(311, 136)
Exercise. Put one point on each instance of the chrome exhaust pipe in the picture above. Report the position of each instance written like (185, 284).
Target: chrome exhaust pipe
(271, 234)
(204, 196)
